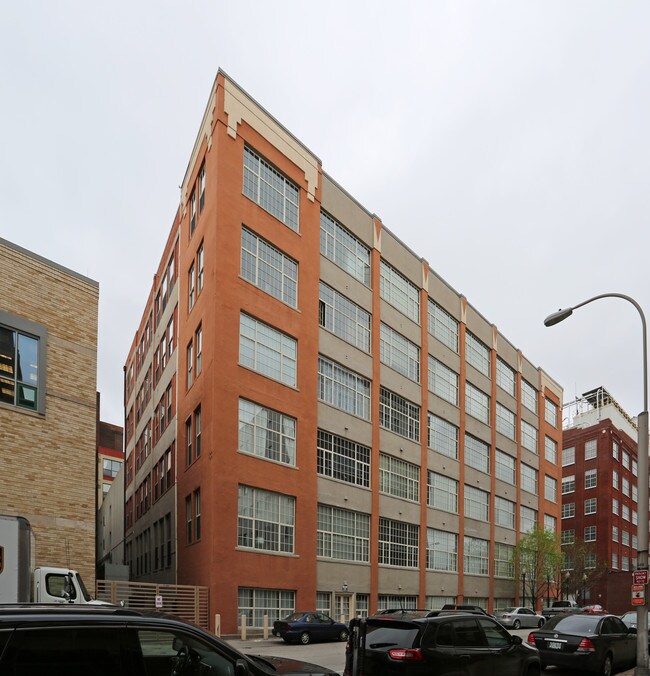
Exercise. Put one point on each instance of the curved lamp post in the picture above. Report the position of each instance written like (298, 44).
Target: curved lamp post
(644, 521)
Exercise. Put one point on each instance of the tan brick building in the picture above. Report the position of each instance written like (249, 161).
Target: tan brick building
(48, 372)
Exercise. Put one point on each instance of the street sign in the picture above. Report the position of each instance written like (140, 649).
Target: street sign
(159, 602)
(638, 595)
(640, 577)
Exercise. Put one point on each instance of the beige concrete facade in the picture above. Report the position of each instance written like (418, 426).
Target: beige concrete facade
(48, 456)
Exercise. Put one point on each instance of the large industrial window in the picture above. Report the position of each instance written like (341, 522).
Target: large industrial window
(266, 433)
(344, 249)
(343, 389)
(343, 534)
(343, 318)
(264, 184)
(443, 381)
(399, 353)
(342, 459)
(399, 415)
(267, 350)
(399, 292)
(398, 543)
(442, 326)
(442, 550)
(399, 478)
(266, 520)
(268, 268)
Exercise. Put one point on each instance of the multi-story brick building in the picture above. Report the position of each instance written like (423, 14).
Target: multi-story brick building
(110, 455)
(340, 428)
(48, 371)
(600, 496)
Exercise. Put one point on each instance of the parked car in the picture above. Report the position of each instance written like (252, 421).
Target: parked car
(464, 606)
(594, 610)
(77, 640)
(443, 645)
(560, 608)
(305, 627)
(520, 617)
(597, 643)
(629, 619)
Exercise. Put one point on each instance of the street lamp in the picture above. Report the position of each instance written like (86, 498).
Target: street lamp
(523, 587)
(644, 521)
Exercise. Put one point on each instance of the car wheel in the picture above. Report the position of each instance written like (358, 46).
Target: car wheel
(516, 624)
(343, 635)
(540, 624)
(606, 668)
(305, 638)
(286, 640)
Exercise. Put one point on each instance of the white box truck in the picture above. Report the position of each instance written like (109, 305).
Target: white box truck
(20, 583)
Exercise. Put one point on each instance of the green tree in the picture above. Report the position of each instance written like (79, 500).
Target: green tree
(537, 558)
(580, 570)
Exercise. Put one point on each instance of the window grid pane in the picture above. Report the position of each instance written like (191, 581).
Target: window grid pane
(477, 404)
(506, 377)
(342, 459)
(398, 543)
(343, 389)
(442, 326)
(476, 556)
(344, 318)
(399, 292)
(399, 478)
(443, 381)
(399, 353)
(267, 350)
(265, 185)
(442, 492)
(477, 354)
(268, 268)
(477, 454)
(399, 415)
(341, 247)
(266, 433)
(442, 550)
(343, 534)
(266, 520)
(443, 436)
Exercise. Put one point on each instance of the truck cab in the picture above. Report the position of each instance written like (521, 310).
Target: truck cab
(58, 585)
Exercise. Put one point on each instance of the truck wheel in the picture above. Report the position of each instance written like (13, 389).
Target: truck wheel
(305, 638)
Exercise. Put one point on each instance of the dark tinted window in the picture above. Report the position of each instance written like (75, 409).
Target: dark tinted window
(403, 636)
(445, 634)
(495, 635)
(468, 633)
(582, 624)
(63, 652)
(165, 652)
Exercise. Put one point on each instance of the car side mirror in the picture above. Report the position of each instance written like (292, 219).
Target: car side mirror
(241, 668)
(517, 640)
(631, 630)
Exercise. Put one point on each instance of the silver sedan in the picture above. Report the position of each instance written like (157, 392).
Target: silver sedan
(519, 617)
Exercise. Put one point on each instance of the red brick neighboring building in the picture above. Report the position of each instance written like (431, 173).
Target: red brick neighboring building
(314, 418)
(599, 496)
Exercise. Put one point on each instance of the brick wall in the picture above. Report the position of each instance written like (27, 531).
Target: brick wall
(47, 462)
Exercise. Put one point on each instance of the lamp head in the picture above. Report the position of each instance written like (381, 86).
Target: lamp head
(557, 317)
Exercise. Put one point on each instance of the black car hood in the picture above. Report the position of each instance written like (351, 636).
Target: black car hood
(286, 665)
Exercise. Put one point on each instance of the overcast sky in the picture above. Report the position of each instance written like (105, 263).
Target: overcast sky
(507, 143)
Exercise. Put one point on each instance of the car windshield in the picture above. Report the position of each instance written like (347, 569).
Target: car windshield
(574, 624)
(378, 636)
(508, 610)
(629, 617)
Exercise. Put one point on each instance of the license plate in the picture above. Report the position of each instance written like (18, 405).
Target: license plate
(554, 645)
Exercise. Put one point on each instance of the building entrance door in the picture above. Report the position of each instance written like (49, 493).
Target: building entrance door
(342, 607)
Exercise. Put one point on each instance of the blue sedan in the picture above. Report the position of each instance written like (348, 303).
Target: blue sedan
(305, 627)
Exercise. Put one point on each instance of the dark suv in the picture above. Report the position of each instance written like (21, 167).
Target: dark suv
(85, 640)
(457, 643)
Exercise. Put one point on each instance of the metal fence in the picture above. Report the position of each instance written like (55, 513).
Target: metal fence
(186, 601)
